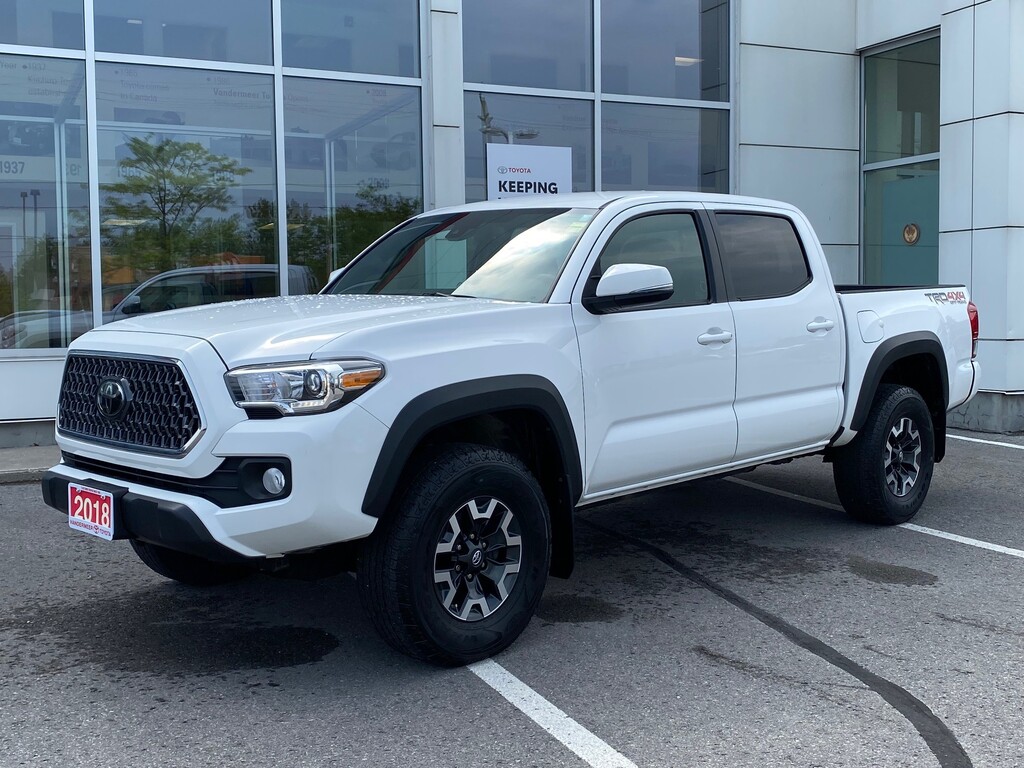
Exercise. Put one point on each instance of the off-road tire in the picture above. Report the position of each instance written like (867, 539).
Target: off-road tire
(188, 569)
(398, 569)
(867, 489)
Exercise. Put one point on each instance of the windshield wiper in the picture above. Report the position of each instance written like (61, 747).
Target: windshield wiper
(442, 293)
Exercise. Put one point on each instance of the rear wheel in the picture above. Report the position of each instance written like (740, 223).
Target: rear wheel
(454, 572)
(883, 476)
(187, 569)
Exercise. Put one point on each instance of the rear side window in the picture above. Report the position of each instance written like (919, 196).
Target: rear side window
(762, 255)
(667, 240)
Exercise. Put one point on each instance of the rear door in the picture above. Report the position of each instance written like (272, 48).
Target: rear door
(658, 379)
(789, 334)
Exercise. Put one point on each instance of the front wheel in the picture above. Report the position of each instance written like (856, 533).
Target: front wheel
(883, 476)
(454, 571)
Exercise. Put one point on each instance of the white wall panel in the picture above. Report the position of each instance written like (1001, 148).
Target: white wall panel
(1002, 363)
(998, 170)
(446, 68)
(843, 263)
(798, 98)
(450, 157)
(956, 176)
(824, 184)
(809, 24)
(949, 6)
(955, 258)
(879, 21)
(999, 57)
(956, 72)
(998, 277)
(29, 388)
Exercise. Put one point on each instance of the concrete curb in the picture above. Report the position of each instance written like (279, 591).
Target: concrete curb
(16, 476)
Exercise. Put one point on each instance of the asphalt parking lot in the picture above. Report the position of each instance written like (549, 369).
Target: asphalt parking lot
(723, 623)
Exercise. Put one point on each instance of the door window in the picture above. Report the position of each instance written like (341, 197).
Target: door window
(669, 240)
(762, 255)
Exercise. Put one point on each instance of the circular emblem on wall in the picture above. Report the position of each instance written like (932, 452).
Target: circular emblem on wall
(113, 397)
(911, 234)
(502, 169)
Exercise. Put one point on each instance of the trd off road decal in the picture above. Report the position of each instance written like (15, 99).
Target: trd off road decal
(948, 297)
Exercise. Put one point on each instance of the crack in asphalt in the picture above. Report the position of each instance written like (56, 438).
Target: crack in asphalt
(936, 734)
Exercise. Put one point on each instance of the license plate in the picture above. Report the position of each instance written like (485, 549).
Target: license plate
(91, 511)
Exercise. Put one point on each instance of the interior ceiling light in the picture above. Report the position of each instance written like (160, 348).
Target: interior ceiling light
(687, 61)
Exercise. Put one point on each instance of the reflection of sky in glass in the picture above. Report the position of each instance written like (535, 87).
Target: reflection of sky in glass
(532, 43)
(671, 48)
(525, 269)
(226, 30)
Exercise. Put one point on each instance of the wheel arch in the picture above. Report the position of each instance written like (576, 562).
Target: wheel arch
(523, 413)
(915, 360)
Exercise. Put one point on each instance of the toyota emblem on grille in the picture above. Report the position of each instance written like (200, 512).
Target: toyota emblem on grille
(113, 397)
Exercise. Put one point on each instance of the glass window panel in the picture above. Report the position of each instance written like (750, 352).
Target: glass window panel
(50, 23)
(671, 48)
(762, 255)
(655, 147)
(353, 154)
(901, 225)
(378, 37)
(186, 179)
(667, 240)
(226, 30)
(510, 255)
(533, 43)
(45, 263)
(534, 120)
(901, 102)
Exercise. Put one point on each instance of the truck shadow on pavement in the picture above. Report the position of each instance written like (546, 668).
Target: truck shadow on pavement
(172, 630)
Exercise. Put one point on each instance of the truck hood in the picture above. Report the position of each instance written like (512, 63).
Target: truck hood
(293, 327)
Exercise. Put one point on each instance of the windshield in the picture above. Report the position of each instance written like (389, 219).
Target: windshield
(513, 255)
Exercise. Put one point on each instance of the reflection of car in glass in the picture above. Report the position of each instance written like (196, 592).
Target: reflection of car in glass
(42, 328)
(399, 153)
(193, 286)
(188, 287)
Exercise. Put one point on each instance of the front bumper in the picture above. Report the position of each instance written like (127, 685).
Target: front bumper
(331, 456)
(167, 523)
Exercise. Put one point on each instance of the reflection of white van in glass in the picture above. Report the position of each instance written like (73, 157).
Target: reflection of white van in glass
(193, 286)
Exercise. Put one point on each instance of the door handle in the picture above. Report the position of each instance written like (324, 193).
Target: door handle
(714, 336)
(820, 324)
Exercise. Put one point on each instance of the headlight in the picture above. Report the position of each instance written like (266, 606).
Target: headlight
(313, 386)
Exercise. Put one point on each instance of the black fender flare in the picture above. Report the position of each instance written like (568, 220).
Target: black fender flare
(438, 407)
(891, 351)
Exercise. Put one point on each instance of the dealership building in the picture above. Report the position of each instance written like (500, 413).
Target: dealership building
(158, 155)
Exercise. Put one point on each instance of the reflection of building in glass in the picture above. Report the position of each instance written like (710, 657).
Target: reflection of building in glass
(320, 128)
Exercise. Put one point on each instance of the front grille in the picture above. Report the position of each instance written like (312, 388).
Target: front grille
(161, 415)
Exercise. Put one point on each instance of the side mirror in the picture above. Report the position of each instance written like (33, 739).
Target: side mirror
(335, 274)
(629, 285)
(132, 305)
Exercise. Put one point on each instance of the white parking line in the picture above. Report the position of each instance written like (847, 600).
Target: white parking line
(785, 494)
(965, 540)
(585, 744)
(908, 526)
(986, 442)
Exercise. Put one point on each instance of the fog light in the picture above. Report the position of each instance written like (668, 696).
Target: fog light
(273, 481)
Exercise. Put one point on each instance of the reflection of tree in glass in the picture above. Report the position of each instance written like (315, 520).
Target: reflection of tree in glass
(166, 185)
(324, 241)
(6, 294)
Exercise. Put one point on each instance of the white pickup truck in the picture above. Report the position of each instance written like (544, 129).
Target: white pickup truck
(434, 417)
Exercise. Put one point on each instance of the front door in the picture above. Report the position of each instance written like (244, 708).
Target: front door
(658, 379)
